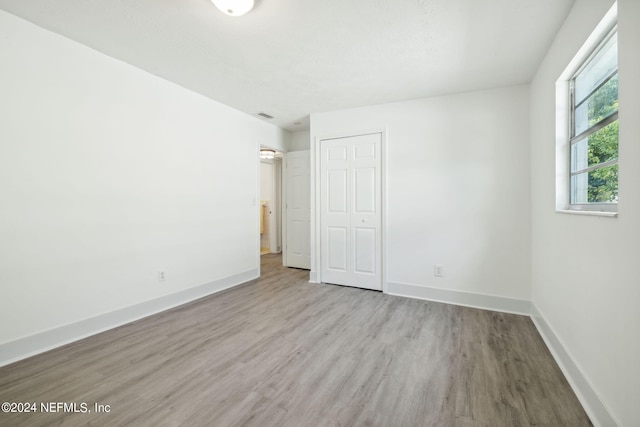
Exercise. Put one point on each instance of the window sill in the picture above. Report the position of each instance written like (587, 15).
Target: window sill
(588, 213)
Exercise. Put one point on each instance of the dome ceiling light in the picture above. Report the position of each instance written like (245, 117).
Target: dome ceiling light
(234, 7)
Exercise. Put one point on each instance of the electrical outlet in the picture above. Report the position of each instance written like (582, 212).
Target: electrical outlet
(161, 276)
(438, 270)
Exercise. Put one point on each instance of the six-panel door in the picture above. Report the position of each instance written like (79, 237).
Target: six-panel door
(350, 202)
(298, 247)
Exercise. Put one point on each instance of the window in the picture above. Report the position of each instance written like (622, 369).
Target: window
(593, 142)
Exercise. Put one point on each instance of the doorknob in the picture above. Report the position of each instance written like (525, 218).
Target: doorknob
(364, 220)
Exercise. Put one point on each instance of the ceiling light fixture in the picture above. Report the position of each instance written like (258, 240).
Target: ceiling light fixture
(265, 153)
(234, 7)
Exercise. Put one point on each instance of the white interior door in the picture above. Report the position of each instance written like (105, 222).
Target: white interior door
(298, 208)
(350, 210)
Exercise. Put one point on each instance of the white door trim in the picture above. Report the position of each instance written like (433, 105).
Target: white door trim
(315, 275)
(283, 208)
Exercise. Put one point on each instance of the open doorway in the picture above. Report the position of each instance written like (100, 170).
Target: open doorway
(270, 201)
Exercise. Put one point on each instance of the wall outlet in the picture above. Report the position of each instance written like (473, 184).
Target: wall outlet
(161, 276)
(438, 270)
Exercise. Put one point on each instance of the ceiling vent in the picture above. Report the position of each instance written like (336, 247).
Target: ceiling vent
(265, 115)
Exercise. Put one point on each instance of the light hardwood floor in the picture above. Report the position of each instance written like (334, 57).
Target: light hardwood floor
(281, 352)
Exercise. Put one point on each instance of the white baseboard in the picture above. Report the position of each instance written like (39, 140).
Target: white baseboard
(38, 343)
(594, 406)
(467, 299)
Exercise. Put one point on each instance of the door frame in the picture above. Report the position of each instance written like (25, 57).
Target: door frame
(315, 276)
(277, 176)
(283, 207)
(275, 219)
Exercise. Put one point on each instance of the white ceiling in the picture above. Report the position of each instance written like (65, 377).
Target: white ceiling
(290, 58)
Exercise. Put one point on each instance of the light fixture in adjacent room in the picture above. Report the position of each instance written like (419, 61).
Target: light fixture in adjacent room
(265, 153)
(234, 7)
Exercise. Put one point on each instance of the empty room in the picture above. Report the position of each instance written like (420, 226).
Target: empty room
(320, 213)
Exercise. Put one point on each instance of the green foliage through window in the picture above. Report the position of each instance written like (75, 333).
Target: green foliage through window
(594, 146)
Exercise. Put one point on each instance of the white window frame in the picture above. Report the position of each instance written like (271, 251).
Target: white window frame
(573, 138)
(564, 116)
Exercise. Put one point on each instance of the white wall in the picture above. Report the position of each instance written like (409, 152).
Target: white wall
(586, 270)
(457, 193)
(299, 140)
(109, 175)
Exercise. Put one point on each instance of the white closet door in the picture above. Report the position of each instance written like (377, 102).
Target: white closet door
(351, 221)
(298, 208)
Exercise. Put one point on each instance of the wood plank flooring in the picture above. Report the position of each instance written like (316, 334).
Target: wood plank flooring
(281, 352)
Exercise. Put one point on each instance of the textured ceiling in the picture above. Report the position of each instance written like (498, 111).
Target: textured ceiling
(290, 58)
